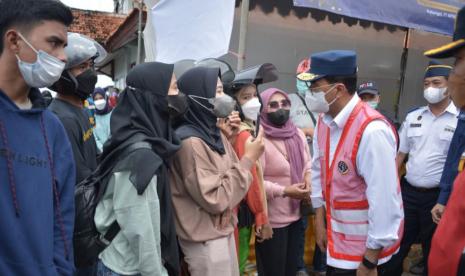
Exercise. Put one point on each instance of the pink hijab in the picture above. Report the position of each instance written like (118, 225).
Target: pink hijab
(288, 133)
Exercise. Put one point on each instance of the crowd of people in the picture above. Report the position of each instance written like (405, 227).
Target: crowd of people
(176, 174)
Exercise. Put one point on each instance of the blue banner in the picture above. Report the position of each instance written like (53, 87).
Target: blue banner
(429, 15)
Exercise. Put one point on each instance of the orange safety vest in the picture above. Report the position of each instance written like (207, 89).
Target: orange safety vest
(345, 191)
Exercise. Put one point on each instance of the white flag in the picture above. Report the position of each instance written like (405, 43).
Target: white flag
(192, 29)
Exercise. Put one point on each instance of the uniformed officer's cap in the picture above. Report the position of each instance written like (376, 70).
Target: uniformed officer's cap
(368, 88)
(332, 63)
(458, 40)
(437, 69)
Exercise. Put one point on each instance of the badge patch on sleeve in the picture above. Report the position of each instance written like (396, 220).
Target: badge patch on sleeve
(342, 167)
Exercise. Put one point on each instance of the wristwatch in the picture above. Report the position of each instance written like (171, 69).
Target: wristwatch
(368, 264)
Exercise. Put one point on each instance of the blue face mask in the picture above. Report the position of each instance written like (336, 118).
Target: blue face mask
(302, 87)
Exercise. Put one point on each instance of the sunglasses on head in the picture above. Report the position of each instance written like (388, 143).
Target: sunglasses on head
(283, 104)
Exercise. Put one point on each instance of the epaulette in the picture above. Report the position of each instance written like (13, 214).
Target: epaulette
(414, 109)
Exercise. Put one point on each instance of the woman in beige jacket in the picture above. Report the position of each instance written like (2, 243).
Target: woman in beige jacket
(207, 179)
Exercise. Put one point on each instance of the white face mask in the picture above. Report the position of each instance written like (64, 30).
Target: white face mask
(434, 95)
(251, 109)
(100, 104)
(316, 101)
(45, 71)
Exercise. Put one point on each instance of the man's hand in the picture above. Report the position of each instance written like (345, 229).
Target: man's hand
(371, 255)
(320, 229)
(437, 212)
(363, 271)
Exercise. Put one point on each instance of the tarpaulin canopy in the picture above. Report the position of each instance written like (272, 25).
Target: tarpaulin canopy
(194, 29)
(428, 15)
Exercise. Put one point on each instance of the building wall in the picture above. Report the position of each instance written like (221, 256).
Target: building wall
(412, 93)
(284, 35)
(125, 58)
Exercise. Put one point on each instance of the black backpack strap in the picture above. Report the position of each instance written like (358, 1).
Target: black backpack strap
(114, 227)
(110, 234)
(309, 112)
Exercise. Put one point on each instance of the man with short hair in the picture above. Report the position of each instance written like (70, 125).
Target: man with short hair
(37, 172)
(354, 175)
(76, 84)
(425, 137)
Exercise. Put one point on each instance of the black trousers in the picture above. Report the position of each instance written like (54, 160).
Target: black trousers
(332, 271)
(279, 256)
(419, 225)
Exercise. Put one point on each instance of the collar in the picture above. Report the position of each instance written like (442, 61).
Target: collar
(451, 108)
(38, 102)
(341, 118)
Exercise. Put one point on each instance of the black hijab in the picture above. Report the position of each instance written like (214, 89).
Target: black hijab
(198, 121)
(142, 116)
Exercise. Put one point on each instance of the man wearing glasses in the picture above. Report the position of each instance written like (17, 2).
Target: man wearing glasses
(354, 175)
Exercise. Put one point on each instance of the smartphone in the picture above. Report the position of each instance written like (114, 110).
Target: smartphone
(257, 126)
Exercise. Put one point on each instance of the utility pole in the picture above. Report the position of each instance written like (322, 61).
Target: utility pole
(139, 32)
(243, 33)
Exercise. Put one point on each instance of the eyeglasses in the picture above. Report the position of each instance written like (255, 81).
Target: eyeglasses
(283, 104)
(314, 90)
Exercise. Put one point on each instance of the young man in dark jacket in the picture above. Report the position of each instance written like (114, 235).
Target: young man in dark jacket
(75, 85)
(37, 172)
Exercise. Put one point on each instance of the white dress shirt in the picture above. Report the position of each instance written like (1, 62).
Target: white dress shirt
(376, 164)
(426, 138)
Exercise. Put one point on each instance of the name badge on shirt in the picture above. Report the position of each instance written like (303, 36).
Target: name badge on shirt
(449, 129)
(415, 125)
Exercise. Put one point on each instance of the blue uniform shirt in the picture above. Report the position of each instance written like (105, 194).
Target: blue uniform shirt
(457, 147)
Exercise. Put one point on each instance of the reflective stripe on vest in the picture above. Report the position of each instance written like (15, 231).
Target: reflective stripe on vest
(345, 191)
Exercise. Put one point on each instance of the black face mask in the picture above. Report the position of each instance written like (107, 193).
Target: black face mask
(67, 84)
(279, 117)
(86, 83)
(81, 86)
(177, 105)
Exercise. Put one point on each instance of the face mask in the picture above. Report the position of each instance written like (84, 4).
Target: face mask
(45, 71)
(373, 104)
(222, 106)
(316, 101)
(434, 95)
(279, 117)
(86, 84)
(100, 104)
(457, 89)
(251, 109)
(177, 105)
(302, 87)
